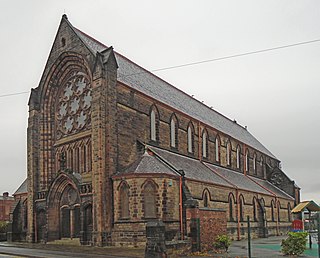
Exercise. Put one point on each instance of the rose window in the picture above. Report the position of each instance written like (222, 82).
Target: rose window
(74, 105)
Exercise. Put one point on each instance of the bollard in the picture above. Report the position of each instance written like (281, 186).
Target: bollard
(249, 237)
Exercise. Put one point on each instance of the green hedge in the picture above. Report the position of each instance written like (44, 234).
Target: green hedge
(3, 227)
(295, 244)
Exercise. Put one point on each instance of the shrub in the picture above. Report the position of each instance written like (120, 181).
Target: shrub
(295, 244)
(3, 227)
(222, 242)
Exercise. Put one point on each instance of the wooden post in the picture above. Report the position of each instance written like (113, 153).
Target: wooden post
(309, 228)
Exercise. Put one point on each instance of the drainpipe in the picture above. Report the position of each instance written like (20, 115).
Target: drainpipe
(181, 172)
(238, 214)
(278, 215)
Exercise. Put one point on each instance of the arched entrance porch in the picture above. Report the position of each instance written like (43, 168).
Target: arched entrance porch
(66, 215)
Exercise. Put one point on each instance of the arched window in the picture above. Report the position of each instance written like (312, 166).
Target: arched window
(153, 125)
(255, 163)
(149, 200)
(278, 211)
(124, 201)
(272, 211)
(173, 132)
(238, 156)
(217, 148)
(84, 149)
(247, 161)
(205, 200)
(254, 204)
(88, 218)
(228, 153)
(241, 207)
(77, 160)
(261, 166)
(190, 138)
(89, 156)
(231, 205)
(204, 144)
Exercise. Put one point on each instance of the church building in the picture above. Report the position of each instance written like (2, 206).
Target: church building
(111, 147)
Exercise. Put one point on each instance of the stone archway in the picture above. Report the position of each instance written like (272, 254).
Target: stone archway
(261, 217)
(63, 204)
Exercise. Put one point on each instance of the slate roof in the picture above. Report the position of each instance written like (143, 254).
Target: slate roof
(149, 164)
(144, 81)
(238, 179)
(272, 188)
(206, 172)
(22, 188)
(192, 168)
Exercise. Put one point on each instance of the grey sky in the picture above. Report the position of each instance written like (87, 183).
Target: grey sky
(276, 94)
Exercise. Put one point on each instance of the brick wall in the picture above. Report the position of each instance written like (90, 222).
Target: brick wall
(204, 225)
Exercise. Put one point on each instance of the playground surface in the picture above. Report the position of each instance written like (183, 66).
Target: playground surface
(265, 247)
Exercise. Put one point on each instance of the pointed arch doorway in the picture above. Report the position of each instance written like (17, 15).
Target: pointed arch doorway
(63, 202)
(261, 217)
(70, 213)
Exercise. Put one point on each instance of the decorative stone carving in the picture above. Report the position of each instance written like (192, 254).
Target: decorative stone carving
(276, 178)
(74, 105)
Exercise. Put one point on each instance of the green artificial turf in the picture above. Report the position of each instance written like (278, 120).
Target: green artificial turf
(277, 247)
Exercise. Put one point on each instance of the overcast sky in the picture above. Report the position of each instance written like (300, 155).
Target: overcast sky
(276, 94)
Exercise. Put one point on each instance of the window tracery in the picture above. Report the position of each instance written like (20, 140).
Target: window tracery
(73, 106)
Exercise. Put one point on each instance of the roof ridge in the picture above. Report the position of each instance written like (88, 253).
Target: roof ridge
(223, 177)
(265, 188)
(224, 124)
(150, 72)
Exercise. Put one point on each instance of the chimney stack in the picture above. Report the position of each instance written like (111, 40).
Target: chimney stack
(5, 194)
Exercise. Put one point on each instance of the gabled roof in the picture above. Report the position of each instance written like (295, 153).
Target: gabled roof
(22, 188)
(144, 81)
(149, 164)
(309, 205)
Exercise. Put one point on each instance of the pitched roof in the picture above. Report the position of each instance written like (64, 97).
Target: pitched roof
(309, 205)
(206, 172)
(149, 164)
(22, 188)
(277, 191)
(144, 81)
(238, 179)
(192, 168)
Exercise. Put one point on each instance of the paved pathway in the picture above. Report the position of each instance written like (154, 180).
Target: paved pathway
(261, 248)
